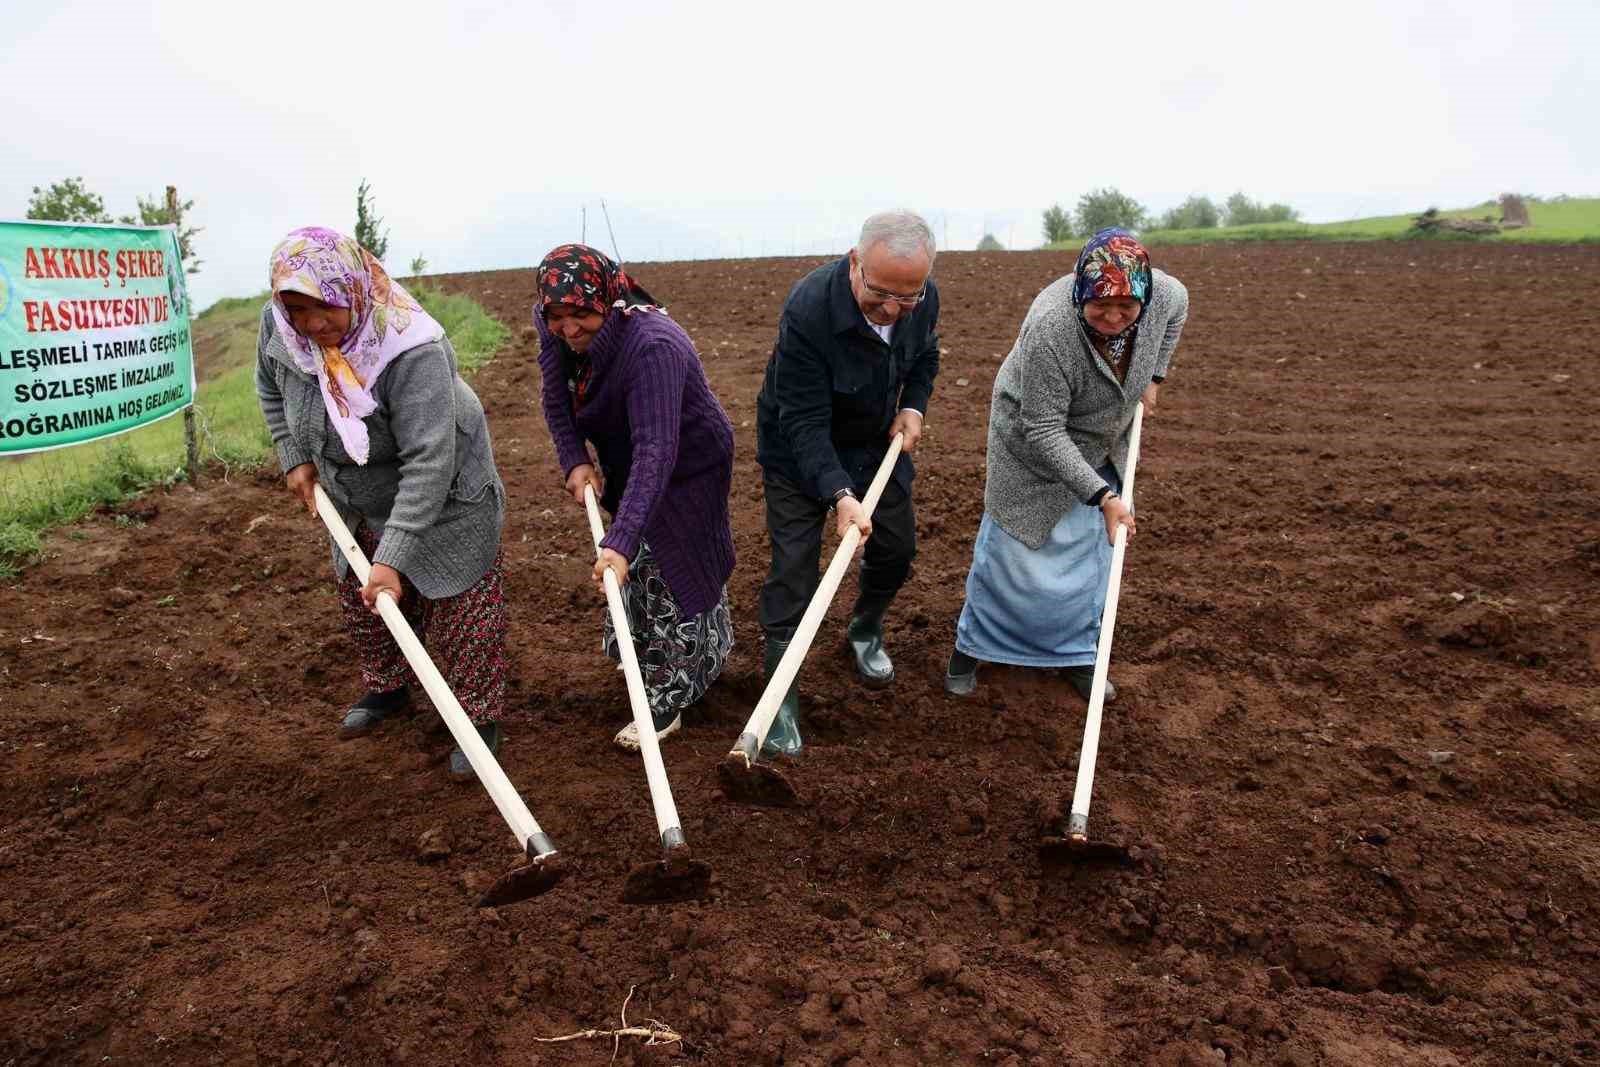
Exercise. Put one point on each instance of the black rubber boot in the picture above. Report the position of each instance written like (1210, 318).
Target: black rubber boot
(961, 676)
(1082, 679)
(460, 768)
(864, 638)
(784, 737)
(370, 711)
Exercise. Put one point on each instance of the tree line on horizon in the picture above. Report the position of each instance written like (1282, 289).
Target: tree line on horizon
(1099, 209)
(70, 200)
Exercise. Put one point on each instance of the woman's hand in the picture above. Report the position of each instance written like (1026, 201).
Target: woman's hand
(302, 482)
(614, 560)
(1152, 393)
(584, 474)
(383, 579)
(1116, 513)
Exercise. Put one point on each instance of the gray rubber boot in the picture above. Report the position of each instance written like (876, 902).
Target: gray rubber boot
(864, 637)
(784, 737)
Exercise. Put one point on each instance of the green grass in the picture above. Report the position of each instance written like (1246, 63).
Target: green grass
(49, 489)
(1574, 221)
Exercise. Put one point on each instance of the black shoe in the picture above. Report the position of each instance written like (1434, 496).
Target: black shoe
(1082, 679)
(370, 711)
(961, 676)
(864, 638)
(460, 768)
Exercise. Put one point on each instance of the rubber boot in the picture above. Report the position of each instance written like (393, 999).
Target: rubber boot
(784, 737)
(460, 767)
(864, 638)
(370, 711)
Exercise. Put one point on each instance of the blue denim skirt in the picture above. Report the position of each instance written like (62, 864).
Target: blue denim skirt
(1038, 607)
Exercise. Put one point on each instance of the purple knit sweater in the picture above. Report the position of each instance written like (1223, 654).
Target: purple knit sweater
(664, 442)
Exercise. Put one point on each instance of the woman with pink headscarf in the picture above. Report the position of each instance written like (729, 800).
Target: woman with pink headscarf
(359, 388)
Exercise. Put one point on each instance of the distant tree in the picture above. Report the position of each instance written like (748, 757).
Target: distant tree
(1195, 213)
(419, 265)
(1242, 211)
(67, 201)
(1101, 208)
(1057, 224)
(990, 243)
(153, 212)
(368, 232)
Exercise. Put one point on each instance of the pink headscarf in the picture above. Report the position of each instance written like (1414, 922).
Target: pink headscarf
(384, 322)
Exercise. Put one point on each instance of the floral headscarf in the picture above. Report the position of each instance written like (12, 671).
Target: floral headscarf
(384, 322)
(1113, 263)
(587, 278)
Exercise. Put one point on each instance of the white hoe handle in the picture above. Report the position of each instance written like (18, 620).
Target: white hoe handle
(655, 770)
(1078, 823)
(755, 731)
(534, 841)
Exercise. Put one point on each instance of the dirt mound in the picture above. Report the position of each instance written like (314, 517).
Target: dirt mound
(1354, 753)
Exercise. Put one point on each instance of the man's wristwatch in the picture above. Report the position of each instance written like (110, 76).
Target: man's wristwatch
(840, 495)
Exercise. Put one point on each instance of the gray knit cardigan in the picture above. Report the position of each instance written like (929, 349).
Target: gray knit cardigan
(1059, 412)
(429, 488)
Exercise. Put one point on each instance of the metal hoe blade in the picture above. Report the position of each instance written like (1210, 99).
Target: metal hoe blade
(524, 883)
(754, 782)
(1079, 849)
(676, 877)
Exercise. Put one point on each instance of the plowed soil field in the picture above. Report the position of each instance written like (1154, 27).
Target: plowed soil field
(1356, 751)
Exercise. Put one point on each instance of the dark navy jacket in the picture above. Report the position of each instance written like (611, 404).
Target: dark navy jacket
(833, 387)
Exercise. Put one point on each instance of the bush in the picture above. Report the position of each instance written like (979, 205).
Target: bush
(1057, 224)
(1242, 211)
(990, 243)
(368, 234)
(67, 201)
(1195, 213)
(1099, 209)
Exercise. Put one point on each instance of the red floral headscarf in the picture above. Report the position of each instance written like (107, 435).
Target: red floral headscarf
(587, 278)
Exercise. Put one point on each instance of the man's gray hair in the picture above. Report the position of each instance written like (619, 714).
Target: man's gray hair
(905, 232)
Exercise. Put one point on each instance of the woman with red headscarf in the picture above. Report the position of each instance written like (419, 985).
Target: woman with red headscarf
(620, 375)
(1093, 345)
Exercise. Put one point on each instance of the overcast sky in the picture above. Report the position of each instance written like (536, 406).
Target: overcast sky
(752, 128)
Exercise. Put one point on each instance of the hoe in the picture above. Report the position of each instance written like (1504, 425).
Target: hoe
(744, 776)
(677, 875)
(1076, 845)
(544, 868)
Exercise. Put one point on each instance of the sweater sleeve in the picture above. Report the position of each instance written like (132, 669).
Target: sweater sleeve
(1169, 339)
(918, 389)
(557, 403)
(290, 454)
(1046, 394)
(803, 385)
(420, 394)
(653, 389)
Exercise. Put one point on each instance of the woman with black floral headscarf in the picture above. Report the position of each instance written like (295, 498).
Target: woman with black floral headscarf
(1093, 345)
(620, 375)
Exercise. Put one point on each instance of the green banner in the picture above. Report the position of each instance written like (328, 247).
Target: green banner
(94, 332)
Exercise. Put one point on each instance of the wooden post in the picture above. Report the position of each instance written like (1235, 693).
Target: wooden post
(191, 444)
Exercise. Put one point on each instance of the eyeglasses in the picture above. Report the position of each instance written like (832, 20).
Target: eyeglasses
(886, 297)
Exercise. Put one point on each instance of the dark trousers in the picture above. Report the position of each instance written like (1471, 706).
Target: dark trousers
(795, 521)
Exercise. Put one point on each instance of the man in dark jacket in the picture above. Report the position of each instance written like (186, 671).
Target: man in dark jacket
(857, 352)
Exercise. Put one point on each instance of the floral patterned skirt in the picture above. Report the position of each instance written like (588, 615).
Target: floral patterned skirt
(465, 636)
(679, 658)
